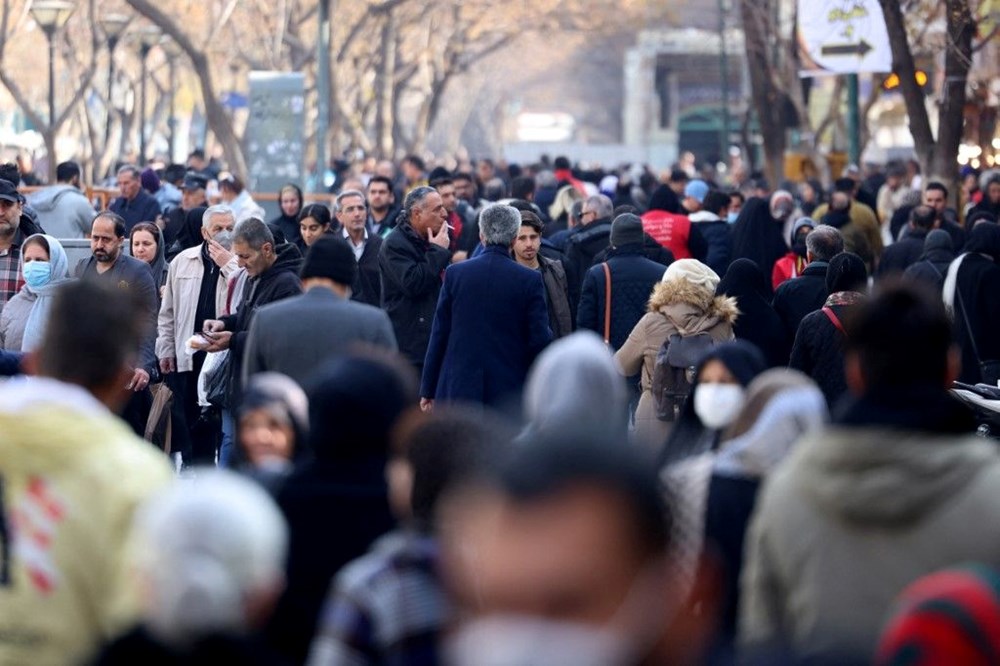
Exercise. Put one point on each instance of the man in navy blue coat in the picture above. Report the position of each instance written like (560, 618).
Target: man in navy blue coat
(490, 324)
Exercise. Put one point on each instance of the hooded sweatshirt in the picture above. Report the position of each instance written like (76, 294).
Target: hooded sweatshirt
(63, 211)
(858, 512)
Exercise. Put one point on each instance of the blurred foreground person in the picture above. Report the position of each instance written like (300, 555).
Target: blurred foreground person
(894, 490)
(72, 476)
(337, 502)
(209, 556)
(566, 559)
(575, 386)
(369, 616)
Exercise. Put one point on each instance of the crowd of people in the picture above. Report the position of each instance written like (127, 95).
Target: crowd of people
(498, 414)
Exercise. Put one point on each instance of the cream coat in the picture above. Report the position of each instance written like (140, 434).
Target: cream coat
(175, 323)
(674, 307)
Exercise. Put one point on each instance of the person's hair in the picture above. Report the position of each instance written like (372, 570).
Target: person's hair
(204, 549)
(231, 183)
(149, 228)
(923, 217)
(416, 198)
(445, 449)
(543, 469)
(937, 185)
(824, 242)
(736, 194)
(254, 233)
(67, 171)
(522, 187)
(348, 193)
(900, 323)
(93, 330)
(462, 175)
(130, 169)
(115, 218)
(318, 212)
(197, 153)
(381, 179)
(845, 185)
(847, 272)
(11, 172)
(561, 162)
(441, 182)
(499, 224)
(576, 209)
(895, 170)
(601, 205)
(715, 201)
(40, 241)
(212, 211)
(623, 209)
(529, 219)
(416, 161)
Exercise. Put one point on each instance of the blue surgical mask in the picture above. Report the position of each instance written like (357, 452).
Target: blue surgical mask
(37, 273)
(732, 217)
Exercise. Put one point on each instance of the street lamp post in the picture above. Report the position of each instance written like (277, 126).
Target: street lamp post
(114, 27)
(148, 38)
(50, 15)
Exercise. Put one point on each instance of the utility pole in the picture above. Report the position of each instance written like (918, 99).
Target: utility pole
(322, 92)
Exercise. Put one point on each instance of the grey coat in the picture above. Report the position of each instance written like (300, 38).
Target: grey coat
(297, 335)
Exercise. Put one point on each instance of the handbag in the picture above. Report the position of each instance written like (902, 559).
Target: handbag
(217, 381)
(988, 370)
(159, 425)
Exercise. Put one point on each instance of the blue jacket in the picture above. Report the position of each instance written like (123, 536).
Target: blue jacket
(633, 277)
(143, 208)
(490, 324)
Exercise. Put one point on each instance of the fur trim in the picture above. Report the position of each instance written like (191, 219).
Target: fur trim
(681, 291)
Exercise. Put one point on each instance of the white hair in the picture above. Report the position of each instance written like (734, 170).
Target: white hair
(499, 224)
(212, 211)
(204, 546)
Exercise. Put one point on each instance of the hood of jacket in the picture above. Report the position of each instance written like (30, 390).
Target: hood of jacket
(47, 199)
(886, 477)
(704, 216)
(288, 258)
(691, 308)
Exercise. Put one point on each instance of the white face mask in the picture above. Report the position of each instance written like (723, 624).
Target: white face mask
(520, 640)
(718, 404)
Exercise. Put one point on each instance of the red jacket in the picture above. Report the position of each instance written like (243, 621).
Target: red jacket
(669, 230)
(789, 266)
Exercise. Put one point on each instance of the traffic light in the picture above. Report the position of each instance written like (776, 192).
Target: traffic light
(892, 81)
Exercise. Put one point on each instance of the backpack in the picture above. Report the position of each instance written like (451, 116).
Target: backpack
(673, 372)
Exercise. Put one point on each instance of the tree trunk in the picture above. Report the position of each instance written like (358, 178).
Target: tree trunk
(218, 120)
(386, 76)
(768, 102)
(951, 115)
(904, 67)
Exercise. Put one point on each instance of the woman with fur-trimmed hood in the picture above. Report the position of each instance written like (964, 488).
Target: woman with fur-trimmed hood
(683, 302)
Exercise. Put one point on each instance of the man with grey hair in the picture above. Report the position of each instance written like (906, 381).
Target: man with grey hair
(352, 214)
(591, 236)
(490, 324)
(135, 205)
(807, 293)
(195, 292)
(272, 274)
(411, 262)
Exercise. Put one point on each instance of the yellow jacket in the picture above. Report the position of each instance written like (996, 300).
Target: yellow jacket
(71, 477)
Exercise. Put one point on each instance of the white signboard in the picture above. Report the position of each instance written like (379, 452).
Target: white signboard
(843, 37)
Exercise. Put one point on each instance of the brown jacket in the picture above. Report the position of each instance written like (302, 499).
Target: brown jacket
(674, 307)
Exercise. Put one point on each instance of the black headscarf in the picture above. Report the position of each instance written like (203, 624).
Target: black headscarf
(190, 234)
(758, 236)
(689, 437)
(985, 239)
(758, 323)
(664, 198)
(289, 224)
(847, 272)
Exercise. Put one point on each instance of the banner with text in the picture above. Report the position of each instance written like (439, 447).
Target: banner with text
(842, 37)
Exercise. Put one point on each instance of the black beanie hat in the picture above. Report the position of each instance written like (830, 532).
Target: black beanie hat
(331, 258)
(626, 230)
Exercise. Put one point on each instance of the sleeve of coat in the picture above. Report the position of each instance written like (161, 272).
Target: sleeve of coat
(632, 353)
(761, 593)
(586, 313)
(414, 278)
(384, 335)
(146, 291)
(438, 343)
(165, 341)
(539, 331)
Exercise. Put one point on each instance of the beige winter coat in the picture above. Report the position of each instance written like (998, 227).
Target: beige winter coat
(175, 323)
(674, 307)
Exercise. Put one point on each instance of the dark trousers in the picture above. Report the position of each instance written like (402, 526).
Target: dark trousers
(195, 434)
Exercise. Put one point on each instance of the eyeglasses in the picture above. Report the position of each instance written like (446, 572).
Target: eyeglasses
(584, 213)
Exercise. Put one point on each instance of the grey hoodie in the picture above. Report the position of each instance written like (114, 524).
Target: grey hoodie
(851, 518)
(63, 211)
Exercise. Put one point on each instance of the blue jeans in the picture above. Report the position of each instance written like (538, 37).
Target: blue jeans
(228, 438)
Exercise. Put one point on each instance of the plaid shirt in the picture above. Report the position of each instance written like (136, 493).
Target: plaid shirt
(10, 273)
(386, 607)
